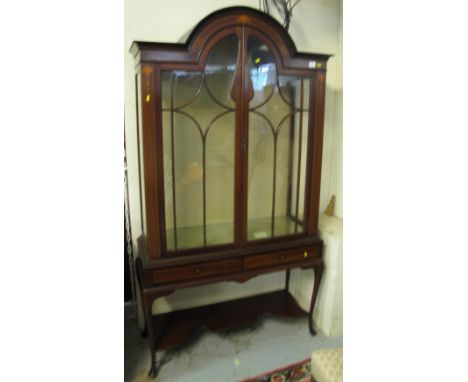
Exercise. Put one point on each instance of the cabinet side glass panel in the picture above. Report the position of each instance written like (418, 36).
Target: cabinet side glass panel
(141, 168)
(198, 151)
(278, 123)
(299, 130)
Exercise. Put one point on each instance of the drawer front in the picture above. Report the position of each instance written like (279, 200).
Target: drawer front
(273, 259)
(196, 271)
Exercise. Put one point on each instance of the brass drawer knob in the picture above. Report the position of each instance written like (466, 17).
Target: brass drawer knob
(306, 254)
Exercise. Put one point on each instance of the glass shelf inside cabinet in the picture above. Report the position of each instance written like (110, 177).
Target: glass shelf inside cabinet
(192, 237)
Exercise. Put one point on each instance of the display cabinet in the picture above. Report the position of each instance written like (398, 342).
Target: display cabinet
(230, 127)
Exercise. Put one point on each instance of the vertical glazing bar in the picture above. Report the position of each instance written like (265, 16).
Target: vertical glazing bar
(204, 188)
(275, 137)
(299, 144)
(246, 94)
(171, 90)
(292, 124)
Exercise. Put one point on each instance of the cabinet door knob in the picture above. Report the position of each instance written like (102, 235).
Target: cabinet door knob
(197, 270)
(281, 257)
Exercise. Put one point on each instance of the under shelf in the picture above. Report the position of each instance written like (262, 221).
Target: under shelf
(178, 326)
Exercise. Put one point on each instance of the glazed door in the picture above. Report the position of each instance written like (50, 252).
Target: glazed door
(276, 127)
(235, 133)
(199, 111)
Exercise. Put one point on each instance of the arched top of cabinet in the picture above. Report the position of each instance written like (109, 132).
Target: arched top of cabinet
(238, 19)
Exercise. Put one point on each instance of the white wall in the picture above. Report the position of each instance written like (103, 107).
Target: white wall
(315, 27)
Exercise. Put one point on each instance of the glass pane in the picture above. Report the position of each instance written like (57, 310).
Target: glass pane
(260, 179)
(219, 70)
(198, 150)
(219, 170)
(278, 124)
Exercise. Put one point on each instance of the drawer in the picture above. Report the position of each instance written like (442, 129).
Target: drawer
(196, 270)
(278, 258)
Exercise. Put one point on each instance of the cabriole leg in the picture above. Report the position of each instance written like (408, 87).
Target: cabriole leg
(288, 273)
(318, 271)
(147, 303)
(147, 306)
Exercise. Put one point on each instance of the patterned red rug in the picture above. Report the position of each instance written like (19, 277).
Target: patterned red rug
(297, 372)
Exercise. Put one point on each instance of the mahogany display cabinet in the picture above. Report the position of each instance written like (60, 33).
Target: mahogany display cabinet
(230, 130)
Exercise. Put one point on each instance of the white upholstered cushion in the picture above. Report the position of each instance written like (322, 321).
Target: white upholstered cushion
(327, 365)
